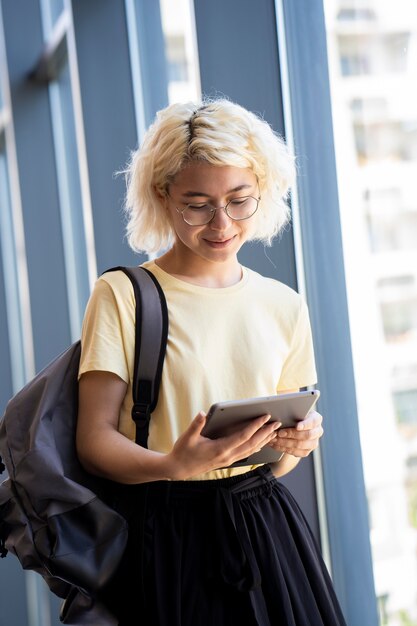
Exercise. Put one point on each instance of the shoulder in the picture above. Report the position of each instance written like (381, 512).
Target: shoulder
(278, 302)
(274, 291)
(117, 286)
(115, 282)
(112, 295)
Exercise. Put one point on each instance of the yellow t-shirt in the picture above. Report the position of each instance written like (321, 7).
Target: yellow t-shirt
(250, 339)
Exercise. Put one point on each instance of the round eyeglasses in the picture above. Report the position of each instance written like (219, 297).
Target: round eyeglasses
(237, 209)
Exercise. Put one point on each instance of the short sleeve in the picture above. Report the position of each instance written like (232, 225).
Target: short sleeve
(299, 368)
(103, 339)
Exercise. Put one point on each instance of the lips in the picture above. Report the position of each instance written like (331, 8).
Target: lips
(219, 244)
(220, 241)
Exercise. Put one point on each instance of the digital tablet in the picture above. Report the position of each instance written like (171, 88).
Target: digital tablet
(287, 408)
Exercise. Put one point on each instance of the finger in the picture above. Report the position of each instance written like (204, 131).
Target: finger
(312, 420)
(264, 434)
(294, 438)
(277, 444)
(260, 439)
(267, 440)
(197, 425)
(292, 444)
(298, 448)
(292, 433)
(298, 452)
(245, 433)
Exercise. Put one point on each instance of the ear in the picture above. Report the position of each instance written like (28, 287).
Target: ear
(163, 200)
(157, 192)
(162, 197)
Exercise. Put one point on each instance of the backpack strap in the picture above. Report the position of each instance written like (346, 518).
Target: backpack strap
(150, 346)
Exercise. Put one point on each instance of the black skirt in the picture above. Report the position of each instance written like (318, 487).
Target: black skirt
(211, 553)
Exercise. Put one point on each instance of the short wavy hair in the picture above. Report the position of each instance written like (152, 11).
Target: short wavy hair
(218, 132)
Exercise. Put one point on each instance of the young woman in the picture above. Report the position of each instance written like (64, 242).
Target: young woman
(216, 546)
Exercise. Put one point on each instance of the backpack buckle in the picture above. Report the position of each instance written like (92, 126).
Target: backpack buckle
(140, 412)
(141, 415)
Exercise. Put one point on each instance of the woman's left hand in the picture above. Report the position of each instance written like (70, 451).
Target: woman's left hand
(302, 439)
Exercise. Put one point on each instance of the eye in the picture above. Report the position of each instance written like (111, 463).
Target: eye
(199, 207)
(239, 201)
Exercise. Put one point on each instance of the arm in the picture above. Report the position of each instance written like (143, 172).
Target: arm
(105, 452)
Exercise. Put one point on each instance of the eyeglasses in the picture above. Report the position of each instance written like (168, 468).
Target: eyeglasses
(237, 209)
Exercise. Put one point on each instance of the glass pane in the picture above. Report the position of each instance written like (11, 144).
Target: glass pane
(66, 155)
(51, 10)
(56, 7)
(181, 52)
(372, 48)
(9, 254)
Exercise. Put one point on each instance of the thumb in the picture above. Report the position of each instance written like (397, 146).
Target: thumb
(197, 424)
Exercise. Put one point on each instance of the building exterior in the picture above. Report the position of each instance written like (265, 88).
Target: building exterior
(373, 61)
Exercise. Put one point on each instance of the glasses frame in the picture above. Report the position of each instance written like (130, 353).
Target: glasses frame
(213, 210)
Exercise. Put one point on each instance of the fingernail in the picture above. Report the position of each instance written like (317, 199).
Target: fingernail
(282, 433)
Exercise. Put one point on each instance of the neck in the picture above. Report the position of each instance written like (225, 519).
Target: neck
(200, 272)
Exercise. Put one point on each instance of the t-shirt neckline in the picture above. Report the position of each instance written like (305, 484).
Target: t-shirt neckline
(170, 280)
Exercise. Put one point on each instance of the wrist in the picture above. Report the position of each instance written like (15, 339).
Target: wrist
(171, 468)
(158, 466)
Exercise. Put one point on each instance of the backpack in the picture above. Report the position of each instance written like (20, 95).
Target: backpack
(54, 516)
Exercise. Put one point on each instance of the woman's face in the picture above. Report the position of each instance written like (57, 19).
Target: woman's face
(220, 240)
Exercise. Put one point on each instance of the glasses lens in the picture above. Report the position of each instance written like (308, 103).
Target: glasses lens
(197, 216)
(236, 209)
(242, 208)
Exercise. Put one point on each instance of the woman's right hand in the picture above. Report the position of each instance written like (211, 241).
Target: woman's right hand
(195, 454)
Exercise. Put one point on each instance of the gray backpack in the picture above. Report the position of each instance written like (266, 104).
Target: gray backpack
(54, 516)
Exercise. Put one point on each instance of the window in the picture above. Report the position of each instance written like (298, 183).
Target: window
(368, 109)
(177, 59)
(396, 51)
(405, 403)
(366, 52)
(353, 64)
(392, 233)
(394, 283)
(356, 57)
(180, 50)
(386, 140)
(373, 64)
(53, 67)
(51, 10)
(399, 320)
(354, 13)
(66, 156)
(356, 10)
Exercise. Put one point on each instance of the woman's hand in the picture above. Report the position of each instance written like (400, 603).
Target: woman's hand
(195, 454)
(302, 439)
(106, 452)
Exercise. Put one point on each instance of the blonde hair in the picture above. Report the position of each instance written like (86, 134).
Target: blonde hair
(218, 132)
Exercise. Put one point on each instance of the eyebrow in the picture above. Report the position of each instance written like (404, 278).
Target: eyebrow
(199, 194)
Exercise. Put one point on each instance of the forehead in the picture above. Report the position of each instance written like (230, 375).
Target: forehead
(209, 179)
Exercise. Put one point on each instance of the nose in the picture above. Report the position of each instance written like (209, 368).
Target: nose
(220, 220)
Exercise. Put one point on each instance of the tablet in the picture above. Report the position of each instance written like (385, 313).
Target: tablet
(287, 408)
